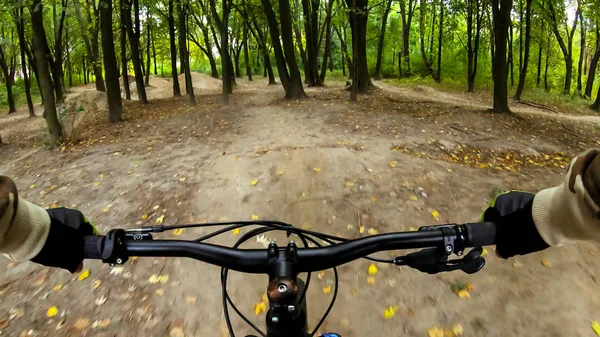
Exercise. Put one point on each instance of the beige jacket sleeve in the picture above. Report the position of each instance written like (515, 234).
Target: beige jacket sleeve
(571, 211)
(24, 226)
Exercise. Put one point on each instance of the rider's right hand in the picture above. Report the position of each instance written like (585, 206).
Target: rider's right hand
(516, 233)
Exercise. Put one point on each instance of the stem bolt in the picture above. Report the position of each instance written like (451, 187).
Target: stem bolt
(275, 319)
(119, 261)
(449, 248)
(291, 308)
(282, 288)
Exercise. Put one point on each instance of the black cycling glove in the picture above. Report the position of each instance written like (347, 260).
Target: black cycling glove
(64, 246)
(516, 233)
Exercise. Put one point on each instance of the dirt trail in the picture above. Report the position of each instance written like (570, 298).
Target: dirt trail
(321, 164)
(420, 93)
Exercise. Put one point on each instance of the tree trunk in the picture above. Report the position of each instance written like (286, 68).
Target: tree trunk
(327, 49)
(546, 84)
(525, 56)
(113, 92)
(184, 56)
(89, 32)
(501, 15)
(511, 64)
(123, 32)
(423, 12)
(287, 39)
(345, 55)
(57, 71)
(40, 49)
(406, 25)
(207, 49)
(147, 82)
(581, 55)
(262, 46)
(311, 24)
(246, 56)
(173, 50)
(438, 78)
(134, 44)
(381, 41)
(154, 56)
(539, 63)
(358, 23)
(236, 56)
(593, 65)
(298, 34)
(22, 46)
(566, 48)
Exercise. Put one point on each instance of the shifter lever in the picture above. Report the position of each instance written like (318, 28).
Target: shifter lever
(435, 260)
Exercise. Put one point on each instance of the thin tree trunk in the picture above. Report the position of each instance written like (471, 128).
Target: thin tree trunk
(184, 56)
(173, 50)
(406, 25)
(581, 56)
(246, 56)
(113, 92)
(423, 12)
(22, 46)
(511, 64)
(8, 64)
(539, 63)
(40, 49)
(501, 15)
(546, 84)
(380, 43)
(327, 49)
(147, 82)
(310, 9)
(89, 32)
(566, 48)
(593, 65)
(525, 56)
(57, 71)
(134, 43)
(154, 55)
(123, 34)
(287, 40)
(438, 78)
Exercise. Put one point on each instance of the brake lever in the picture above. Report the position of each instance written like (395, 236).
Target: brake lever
(435, 260)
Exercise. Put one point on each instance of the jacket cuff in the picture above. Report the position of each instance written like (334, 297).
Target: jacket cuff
(27, 233)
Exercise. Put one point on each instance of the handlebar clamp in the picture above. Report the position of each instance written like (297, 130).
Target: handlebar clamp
(113, 247)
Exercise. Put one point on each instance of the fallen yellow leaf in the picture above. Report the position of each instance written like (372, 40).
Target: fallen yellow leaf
(373, 199)
(259, 308)
(102, 324)
(58, 287)
(372, 269)
(591, 252)
(154, 279)
(96, 183)
(327, 290)
(32, 186)
(145, 216)
(484, 252)
(435, 332)
(254, 217)
(160, 291)
(457, 330)
(178, 231)
(349, 184)
(176, 332)
(223, 218)
(596, 327)
(52, 311)
(469, 286)
(393, 164)
(546, 263)
(254, 182)
(370, 280)
(361, 229)
(182, 179)
(435, 215)
(96, 284)
(191, 299)
(463, 293)
(163, 279)
(160, 219)
(280, 172)
(372, 231)
(83, 275)
(317, 169)
(412, 197)
(236, 231)
(389, 312)
(105, 209)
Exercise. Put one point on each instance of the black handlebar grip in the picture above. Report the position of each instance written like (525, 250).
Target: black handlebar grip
(92, 246)
(481, 234)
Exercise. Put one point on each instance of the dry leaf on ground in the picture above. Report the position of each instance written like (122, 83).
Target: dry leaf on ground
(372, 269)
(52, 311)
(83, 275)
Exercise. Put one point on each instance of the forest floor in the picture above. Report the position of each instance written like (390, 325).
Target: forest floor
(390, 162)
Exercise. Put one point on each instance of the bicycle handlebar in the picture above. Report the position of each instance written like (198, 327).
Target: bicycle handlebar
(255, 261)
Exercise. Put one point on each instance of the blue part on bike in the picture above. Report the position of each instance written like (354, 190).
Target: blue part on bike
(330, 334)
